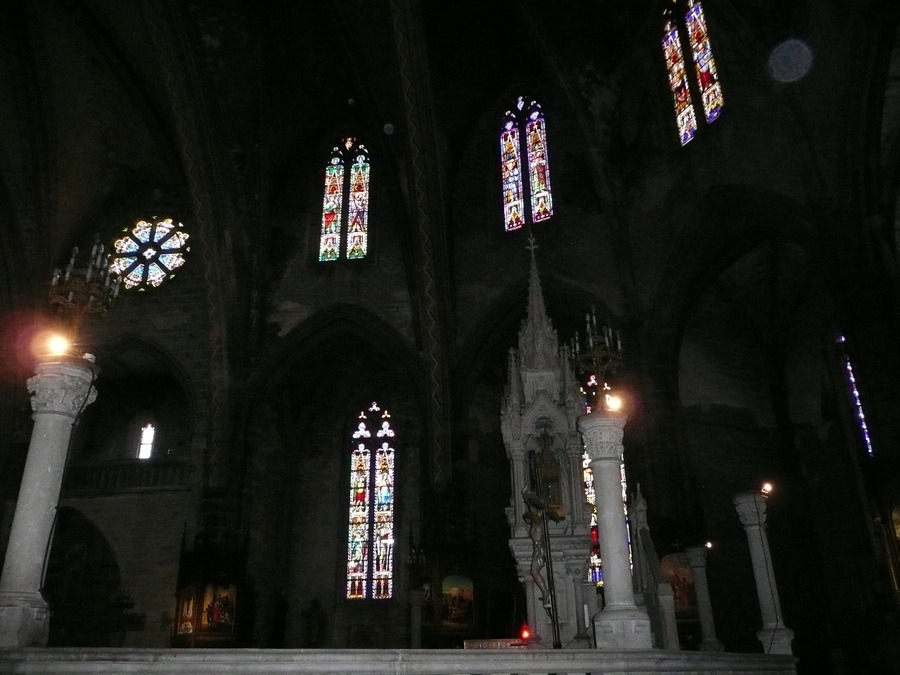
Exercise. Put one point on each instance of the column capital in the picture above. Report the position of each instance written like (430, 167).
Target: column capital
(751, 508)
(62, 386)
(696, 556)
(603, 431)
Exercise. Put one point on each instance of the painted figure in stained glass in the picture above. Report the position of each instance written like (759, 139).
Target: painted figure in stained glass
(371, 516)
(678, 82)
(512, 177)
(331, 209)
(523, 134)
(704, 63)
(359, 208)
(541, 200)
(339, 228)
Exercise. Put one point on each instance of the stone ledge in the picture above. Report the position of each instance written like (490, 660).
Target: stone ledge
(384, 662)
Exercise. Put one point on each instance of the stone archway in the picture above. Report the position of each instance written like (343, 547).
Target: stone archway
(83, 585)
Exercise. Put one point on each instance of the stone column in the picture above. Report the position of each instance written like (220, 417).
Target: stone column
(621, 624)
(60, 390)
(696, 556)
(666, 597)
(775, 636)
(416, 597)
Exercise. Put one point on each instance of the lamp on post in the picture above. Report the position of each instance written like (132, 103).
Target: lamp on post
(62, 387)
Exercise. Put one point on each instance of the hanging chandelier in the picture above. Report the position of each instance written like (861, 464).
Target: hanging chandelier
(85, 286)
(597, 360)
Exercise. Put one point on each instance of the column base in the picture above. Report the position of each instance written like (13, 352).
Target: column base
(24, 620)
(623, 628)
(776, 639)
(711, 646)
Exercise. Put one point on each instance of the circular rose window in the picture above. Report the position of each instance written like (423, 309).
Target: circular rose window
(149, 253)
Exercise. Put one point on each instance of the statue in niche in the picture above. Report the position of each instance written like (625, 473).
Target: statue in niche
(548, 474)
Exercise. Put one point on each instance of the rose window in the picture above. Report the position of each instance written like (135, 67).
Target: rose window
(149, 253)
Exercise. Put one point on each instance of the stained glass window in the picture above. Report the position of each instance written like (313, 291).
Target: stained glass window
(857, 403)
(704, 63)
(678, 82)
(345, 232)
(524, 125)
(370, 547)
(706, 79)
(149, 253)
(145, 450)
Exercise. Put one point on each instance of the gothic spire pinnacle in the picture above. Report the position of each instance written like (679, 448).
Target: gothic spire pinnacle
(538, 343)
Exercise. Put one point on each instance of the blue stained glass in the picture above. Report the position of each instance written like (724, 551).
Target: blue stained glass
(141, 231)
(172, 260)
(176, 241)
(126, 245)
(162, 229)
(134, 277)
(155, 275)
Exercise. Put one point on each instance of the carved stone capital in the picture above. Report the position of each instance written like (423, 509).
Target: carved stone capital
(62, 387)
(603, 432)
(751, 508)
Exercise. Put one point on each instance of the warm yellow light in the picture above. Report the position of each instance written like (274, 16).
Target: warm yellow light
(613, 402)
(766, 489)
(57, 345)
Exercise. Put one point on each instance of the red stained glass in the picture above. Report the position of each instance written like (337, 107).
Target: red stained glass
(704, 63)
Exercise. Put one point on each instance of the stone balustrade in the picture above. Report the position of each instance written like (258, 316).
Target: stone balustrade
(385, 662)
(126, 475)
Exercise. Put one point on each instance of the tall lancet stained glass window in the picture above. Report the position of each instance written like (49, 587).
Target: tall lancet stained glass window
(370, 538)
(344, 233)
(705, 78)
(524, 167)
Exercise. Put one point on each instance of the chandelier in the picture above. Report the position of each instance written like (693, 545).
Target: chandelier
(85, 287)
(597, 360)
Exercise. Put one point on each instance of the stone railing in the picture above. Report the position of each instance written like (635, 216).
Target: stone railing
(385, 662)
(126, 475)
